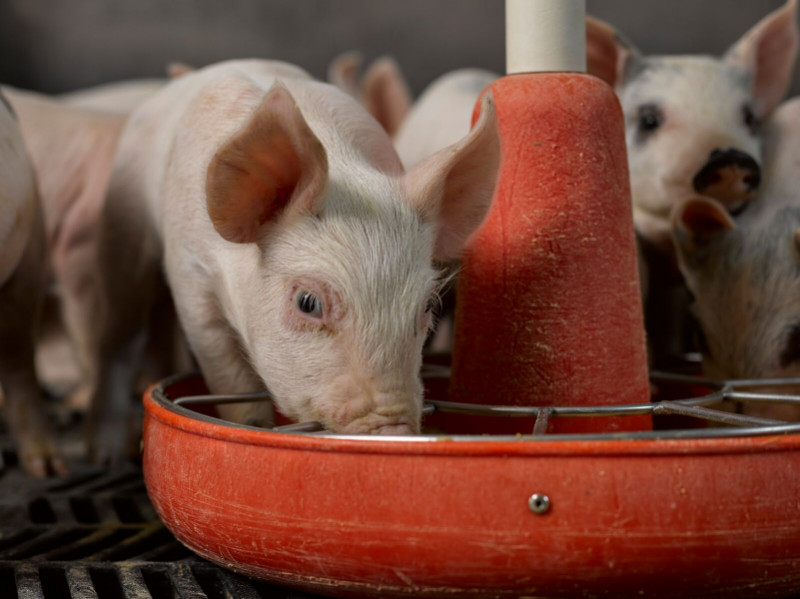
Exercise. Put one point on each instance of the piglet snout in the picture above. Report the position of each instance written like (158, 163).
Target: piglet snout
(393, 429)
(730, 176)
(372, 426)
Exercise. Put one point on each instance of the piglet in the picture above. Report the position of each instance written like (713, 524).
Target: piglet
(745, 280)
(299, 253)
(382, 90)
(120, 97)
(693, 122)
(22, 284)
(71, 149)
(744, 274)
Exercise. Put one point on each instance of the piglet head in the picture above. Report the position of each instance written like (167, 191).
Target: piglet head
(334, 315)
(693, 122)
(745, 282)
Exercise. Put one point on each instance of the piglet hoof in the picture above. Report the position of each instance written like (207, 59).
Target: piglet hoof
(111, 446)
(39, 457)
(79, 398)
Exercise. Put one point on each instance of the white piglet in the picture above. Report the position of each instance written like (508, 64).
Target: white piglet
(299, 252)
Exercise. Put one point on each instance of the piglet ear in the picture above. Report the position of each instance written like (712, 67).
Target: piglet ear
(385, 94)
(768, 52)
(274, 165)
(178, 69)
(454, 187)
(343, 72)
(608, 55)
(698, 221)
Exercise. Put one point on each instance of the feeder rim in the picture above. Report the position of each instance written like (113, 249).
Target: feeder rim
(713, 440)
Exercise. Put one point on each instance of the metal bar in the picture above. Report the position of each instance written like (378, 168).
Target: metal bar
(113, 482)
(57, 536)
(74, 482)
(684, 379)
(764, 397)
(29, 584)
(703, 433)
(159, 553)
(777, 382)
(434, 371)
(302, 427)
(432, 405)
(80, 583)
(86, 546)
(586, 411)
(185, 582)
(144, 540)
(132, 583)
(670, 407)
(199, 400)
(236, 587)
(542, 420)
(483, 409)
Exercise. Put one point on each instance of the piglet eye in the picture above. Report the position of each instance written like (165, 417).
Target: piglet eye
(749, 118)
(309, 304)
(791, 351)
(650, 118)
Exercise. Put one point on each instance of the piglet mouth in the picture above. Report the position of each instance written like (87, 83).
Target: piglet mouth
(393, 429)
(372, 426)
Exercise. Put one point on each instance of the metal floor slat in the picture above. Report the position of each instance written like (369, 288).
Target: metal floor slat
(95, 535)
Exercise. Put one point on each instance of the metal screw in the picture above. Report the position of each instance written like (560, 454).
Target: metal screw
(539, 503)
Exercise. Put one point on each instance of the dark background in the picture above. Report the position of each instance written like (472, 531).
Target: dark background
(60, 45)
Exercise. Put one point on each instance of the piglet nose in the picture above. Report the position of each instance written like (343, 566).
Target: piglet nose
(393, 429)
(730, 176)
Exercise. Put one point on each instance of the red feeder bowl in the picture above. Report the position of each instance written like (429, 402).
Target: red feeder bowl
(544, 516)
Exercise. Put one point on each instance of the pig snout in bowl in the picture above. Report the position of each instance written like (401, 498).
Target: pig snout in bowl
(393, 429)
(375, 424)
(730, 176)
(359, 406)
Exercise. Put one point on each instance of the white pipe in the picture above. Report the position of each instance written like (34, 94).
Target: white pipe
(545, 35)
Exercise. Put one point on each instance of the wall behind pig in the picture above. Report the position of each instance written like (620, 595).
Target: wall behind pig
(59, 45)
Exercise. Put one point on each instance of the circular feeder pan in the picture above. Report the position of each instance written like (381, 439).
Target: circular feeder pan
(654, 515)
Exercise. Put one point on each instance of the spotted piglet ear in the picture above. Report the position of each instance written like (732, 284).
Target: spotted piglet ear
(768, 52)
(609, 55)
(697, 222)
(274, 166)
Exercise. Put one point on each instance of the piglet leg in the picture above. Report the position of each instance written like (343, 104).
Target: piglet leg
(128, 270)
(20, 309)
(218, 350)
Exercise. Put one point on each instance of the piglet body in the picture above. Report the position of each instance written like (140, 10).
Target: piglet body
(119, 97)
(298, 252)
(22, 284)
